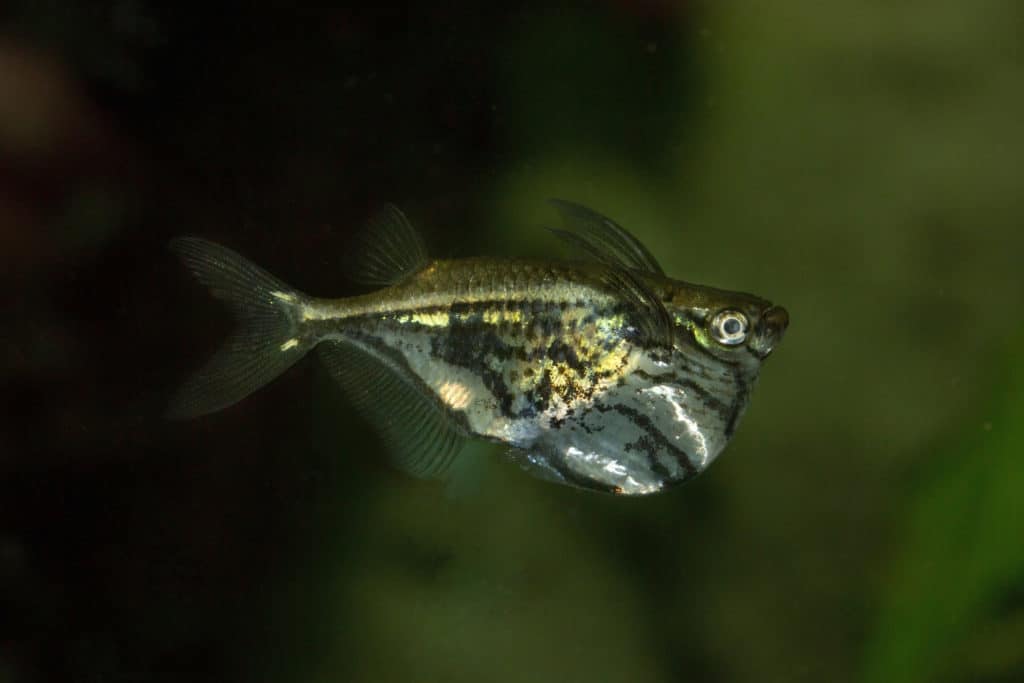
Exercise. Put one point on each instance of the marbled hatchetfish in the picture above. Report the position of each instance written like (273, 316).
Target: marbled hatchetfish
(599, 372)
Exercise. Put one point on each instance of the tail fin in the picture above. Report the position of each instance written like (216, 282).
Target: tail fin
(266, 341)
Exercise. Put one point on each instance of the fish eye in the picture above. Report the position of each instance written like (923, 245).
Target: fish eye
(729, 327)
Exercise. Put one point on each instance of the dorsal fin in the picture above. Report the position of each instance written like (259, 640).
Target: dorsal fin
(388, 250)
(420, 437)
(603, 239)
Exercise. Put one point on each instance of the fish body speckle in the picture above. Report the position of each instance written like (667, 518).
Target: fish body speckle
(521, 348)
(601, 373)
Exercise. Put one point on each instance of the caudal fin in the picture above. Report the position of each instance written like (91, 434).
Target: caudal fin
(267, 339)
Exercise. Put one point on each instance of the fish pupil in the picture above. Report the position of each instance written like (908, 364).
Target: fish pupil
(731, 326)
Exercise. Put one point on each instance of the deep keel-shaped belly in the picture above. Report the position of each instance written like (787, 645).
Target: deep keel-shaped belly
(656, 428)
(610, 416)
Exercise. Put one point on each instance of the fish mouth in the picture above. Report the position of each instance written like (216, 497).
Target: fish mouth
(774, 322)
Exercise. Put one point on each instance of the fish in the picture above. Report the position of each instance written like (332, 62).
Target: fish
(597, 371)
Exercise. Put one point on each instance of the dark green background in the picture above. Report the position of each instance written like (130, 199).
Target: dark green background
(859, 163)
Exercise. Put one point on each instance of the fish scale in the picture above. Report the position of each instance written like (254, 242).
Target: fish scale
(528, 339)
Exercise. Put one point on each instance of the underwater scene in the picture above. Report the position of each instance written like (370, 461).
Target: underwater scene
(622, 340)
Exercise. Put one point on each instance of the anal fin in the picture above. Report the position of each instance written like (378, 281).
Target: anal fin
(420, 437)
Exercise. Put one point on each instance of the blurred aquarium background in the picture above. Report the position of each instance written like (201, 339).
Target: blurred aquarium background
(859, 163)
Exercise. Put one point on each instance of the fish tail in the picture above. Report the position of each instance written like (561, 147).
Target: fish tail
(268, 337)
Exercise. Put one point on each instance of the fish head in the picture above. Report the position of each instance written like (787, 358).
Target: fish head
(671, 415)
(734, 327)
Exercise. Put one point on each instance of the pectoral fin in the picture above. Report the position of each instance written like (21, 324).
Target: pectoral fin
(603, 239)
(648, 315)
